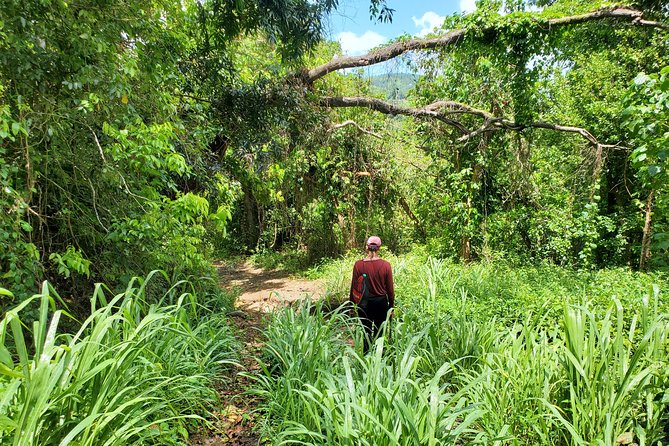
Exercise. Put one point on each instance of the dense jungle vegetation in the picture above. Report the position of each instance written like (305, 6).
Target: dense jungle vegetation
(516, 170)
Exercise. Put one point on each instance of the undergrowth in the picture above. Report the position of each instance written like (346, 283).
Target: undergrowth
(498, 289)
(480, 354)
(134, 373)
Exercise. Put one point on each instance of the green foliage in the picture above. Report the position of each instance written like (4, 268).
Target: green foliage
(535, 195)
(302, 184)
(393, 86)
(319, 390)
(71, 261)
(147, 151)
(291, 261)
(101, 153)
(380, 11)
(647, 118)
(150, 134)
(70, 68)
(612, 372)
(294, 24)
(133, 372)
(499, 289)
(170, 234)
(536, 372)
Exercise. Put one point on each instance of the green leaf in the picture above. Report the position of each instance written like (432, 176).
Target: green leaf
(654, 170)
(7, 424)
(641, 78)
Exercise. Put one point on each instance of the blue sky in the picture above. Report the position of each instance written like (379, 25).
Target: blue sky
(350, 24)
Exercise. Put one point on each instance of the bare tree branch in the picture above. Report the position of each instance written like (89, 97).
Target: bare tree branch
(356, 125)
(496, 123)
(565, 128)
(390, 109)
(441, 110)
(407, 210)
(453, 37)
(97, 143)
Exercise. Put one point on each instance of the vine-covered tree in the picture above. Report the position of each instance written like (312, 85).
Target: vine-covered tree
(144, 135)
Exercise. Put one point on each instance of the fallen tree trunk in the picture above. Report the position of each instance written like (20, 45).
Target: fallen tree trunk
(389, 52)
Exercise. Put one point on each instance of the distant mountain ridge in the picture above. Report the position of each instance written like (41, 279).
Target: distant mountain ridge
(393, 85)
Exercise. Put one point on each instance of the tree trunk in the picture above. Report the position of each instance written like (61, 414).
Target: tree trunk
(597, 171)
(647, 233)
(466, 248)
(350, 244)
(251, 233)
(407, 210)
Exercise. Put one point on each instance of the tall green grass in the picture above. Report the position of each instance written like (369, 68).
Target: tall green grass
(133, 373)
(614, 369)
(477, 355)
(320, 390)
(294, 356)
(498, 289)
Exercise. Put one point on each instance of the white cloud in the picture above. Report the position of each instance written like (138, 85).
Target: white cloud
(353, 44)
(467, 6)
(428, 22)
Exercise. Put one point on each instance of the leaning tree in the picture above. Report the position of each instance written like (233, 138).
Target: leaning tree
(521, 40)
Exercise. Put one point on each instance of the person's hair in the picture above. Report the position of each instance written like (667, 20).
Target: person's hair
(372, 248)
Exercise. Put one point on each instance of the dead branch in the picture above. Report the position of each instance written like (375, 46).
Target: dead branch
(97, 143)
(631, 16)
(565, 128)
(441, 110)
(492, 124)
(390, 109)
(407, 210)
(357, 126)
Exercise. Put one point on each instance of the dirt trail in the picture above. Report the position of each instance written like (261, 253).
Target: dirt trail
(262, 292)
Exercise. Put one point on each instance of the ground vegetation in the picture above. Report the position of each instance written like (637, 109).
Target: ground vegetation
(522, 174)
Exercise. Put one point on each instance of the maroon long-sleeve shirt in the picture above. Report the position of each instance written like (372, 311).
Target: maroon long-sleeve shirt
(380, 275)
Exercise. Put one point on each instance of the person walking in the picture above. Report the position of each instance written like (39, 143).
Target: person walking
(373, 309)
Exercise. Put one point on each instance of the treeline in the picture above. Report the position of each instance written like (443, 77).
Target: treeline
(109, 116)
(518, 143)
(153, 135)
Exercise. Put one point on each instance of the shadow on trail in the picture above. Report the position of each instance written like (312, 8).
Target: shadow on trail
(264, 291)
(252, 280)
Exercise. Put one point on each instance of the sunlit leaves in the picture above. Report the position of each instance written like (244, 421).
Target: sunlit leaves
(116, 378)
(647, 117)
(146, 149)
(70, 261)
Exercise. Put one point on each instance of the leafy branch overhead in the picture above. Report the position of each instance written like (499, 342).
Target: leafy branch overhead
(445, 110)
(488, 33)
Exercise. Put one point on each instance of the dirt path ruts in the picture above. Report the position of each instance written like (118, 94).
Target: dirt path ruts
(262, 292)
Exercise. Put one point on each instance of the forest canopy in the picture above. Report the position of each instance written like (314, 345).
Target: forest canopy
(172, 173)
(158, 135)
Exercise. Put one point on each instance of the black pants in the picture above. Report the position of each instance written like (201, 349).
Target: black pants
(372, 315)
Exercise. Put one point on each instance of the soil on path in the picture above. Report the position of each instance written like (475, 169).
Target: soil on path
(261, 292)
(264, 291)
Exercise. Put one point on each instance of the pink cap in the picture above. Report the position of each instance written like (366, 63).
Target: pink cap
(374, 241)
